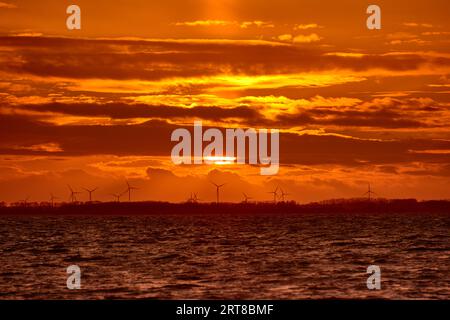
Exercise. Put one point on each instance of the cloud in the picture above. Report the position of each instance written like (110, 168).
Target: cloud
(42, 147)
(436, 33)
(284, 37)
(416, 25)
(206, 23)
(410, 41)
(152, 138)
(256, 23)
(387, 113)
(377, 119)
(28, 34)
(313, 37)
(307, 26)
(6, 5)
(400, 36)
(157, 60)
(127, 111)
(226, 23)
(444, 151)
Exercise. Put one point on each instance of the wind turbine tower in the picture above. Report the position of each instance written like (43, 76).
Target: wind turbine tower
(129, 188)
(218, 186)
(90, 192)
(52, 199)
(73, 194)
(369, 192)
(283, 195)
(117, 196)
(246, 198)
(275, 194)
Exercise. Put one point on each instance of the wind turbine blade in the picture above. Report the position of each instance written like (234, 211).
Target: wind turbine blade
(214, 184)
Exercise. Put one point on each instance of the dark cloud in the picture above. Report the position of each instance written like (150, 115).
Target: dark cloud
(386, 113)
(386, 119)
(439, 171)
(154, 60)
(127, 111)
(152, 138)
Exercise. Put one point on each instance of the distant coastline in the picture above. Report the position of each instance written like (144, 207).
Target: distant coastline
(337, 206)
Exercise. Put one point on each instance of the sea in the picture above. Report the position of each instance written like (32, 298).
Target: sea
(234, 256)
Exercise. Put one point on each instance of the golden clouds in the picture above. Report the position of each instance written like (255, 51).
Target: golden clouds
(313, 37)
(307, 26)
(416, 25)
(225, 23)
(206, 23)
(44, 147)
(7, 5)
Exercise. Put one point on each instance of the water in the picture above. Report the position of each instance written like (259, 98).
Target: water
(225, 257)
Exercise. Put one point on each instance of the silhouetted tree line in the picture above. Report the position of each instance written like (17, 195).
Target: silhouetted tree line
(334, 206)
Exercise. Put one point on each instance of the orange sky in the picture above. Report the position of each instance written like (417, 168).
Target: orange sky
(96, 106)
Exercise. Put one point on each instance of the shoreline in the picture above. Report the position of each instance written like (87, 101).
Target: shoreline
(341, 207)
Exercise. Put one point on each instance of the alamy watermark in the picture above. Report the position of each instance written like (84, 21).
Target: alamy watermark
(374, 280)
(73, 22)
(74, 278)
(374, 20)
(236, 149)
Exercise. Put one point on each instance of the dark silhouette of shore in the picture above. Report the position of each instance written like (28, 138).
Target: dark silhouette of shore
(337, 206)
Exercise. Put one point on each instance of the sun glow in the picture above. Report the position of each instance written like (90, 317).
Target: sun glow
(220, 160)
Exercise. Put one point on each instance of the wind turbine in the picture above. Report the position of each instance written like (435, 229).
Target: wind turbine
(283, 195)
(73, 194)
(275, 194)
(90, 192)
(52, 199)
(246, 197)
(129, 188)
(191, 199)
(369, 192)
(196, 199)
(117, 196)
(218, 186)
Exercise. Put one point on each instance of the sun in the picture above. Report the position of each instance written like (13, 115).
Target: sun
(220, 160)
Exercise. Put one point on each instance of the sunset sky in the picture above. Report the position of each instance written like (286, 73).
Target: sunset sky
(96, 107)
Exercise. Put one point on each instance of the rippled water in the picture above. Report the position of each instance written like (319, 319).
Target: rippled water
(225, 257)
